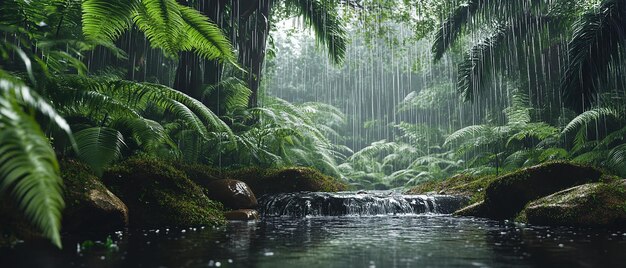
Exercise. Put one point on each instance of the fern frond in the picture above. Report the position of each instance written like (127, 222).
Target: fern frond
(466, 133)
(598, 38)
(107, 19)
(29, 171)
(205, 37)
(99, 146)
(326, 23)
(587, 117)
(162, 23)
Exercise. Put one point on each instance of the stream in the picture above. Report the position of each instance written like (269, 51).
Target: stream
(342, 230)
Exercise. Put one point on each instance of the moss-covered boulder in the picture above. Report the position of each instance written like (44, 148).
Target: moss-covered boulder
(507, 195)
(594, 204)
(466, 185)
(90, 206)
(233, 194)
(201, 174)
(157, 194)
(477, 209)
(286, 180)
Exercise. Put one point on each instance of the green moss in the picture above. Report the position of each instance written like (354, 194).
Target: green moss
(200, 174)
(462, 184)
(508, 195)
(594, 204)
(158, 194)
(78, 180)
(291, 179)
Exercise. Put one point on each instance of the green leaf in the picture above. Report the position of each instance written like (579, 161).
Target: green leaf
(99, 147)
(107, 19)
(29, 170)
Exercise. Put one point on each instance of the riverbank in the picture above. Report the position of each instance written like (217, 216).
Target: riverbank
(557, 193)
(149, 193)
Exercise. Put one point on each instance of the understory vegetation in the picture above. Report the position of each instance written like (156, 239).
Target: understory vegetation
(480, 88)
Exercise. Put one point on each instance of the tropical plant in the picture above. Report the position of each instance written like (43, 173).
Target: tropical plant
(29, 171)
(168, 25)
(284, 134)
(597, 40)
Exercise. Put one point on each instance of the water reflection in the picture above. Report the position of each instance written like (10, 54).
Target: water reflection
(384, 241)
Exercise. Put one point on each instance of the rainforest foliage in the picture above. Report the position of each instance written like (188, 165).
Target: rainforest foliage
(408, 91)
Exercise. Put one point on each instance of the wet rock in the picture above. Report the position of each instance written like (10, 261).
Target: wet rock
(303, 204)
(594, 204)
(233, 194)
(157, 194)
(478, 209)
(90, 206)
(242, 215)
(287, 180)
(507, 195)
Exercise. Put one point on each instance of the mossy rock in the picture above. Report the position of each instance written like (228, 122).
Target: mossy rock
(202, 175)
(90, 206)
(286, 180)
(478, 209)
(234, 194)
(466, 185)
(507, 195)
(157, 194)
(595, 204)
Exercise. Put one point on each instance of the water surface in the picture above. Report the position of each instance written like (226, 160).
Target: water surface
(390, 240)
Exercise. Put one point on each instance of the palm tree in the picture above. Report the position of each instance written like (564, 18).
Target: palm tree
(597, 40)
(249, 23)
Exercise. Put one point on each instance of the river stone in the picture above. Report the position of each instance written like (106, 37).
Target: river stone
(287, 180)
(242, 215)
(594, 204)
(233, 194)
(477, 209)
(157, 194)
(507, 195)
(90, 206)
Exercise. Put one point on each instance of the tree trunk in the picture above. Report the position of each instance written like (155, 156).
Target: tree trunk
(253, 33)
(194, 72)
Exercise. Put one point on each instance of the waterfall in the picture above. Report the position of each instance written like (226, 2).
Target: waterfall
(303, 204)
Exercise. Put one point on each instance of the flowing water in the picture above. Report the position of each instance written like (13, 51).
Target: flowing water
(396, 237)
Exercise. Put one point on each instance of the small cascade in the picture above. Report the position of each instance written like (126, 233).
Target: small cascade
(317, 204)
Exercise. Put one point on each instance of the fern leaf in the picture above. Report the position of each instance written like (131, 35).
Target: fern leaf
(29, 170)
(107, 19)
(99, 146)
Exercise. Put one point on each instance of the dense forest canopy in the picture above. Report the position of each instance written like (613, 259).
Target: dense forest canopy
(379, 93)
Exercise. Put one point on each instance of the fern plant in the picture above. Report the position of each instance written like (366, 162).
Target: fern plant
(29, 171)
(166, 23)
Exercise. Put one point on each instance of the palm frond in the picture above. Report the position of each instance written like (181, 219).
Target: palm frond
(598, 39)
(485, 58)
(452, 27)
(326, 23)
(449, 30)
